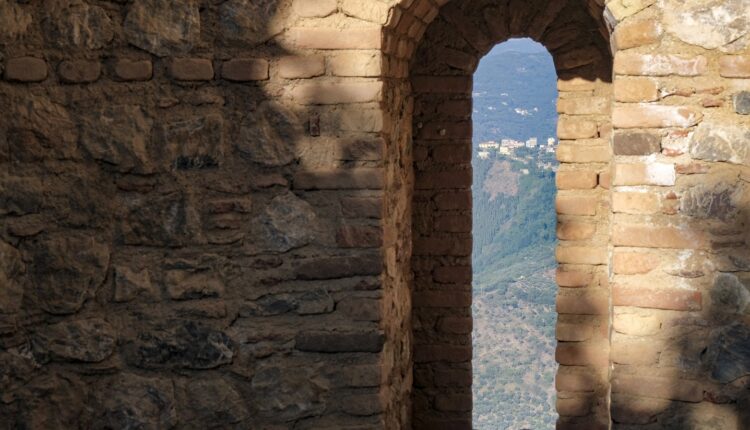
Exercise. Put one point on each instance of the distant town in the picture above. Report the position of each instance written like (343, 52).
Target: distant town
(528, 152)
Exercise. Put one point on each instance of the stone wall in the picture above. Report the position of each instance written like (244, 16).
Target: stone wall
(210, 217)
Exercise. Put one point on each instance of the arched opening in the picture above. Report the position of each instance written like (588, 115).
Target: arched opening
(513, 264)
(438, 49)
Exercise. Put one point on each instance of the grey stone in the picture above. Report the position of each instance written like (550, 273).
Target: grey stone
(74, 24)
(12, 270)
(50, 401)
(636, 143)
(288, 392)
(742, 102)
(212, 403)
(182, 344)
(714, 141)
(163, 28)
(89, 340)
(251, 21)
(710, 24)
(162, 220)
(196, 143)
(288, 222)
(48, 119)
(130, 401)
(315, 302)
(728, 354)
(131, 283)
(343, 341)
(309, 303)
(718, 201)
(119, 136)
(268, 136)
(15, 20)
(65, 269)
(729, 295)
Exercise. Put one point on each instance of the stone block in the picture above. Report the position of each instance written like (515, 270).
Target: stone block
(330, 93)
(636, 143)
(357, 178)
(667, 298)
(572, 278)
(334, 38)
(79, 71)
(633, 263)
(651, 236)
(299, 67)
(191, 69)
(26, 69)
(87, 340)
(735, 66)
(340, 267)
(570, 230)
(339, 341)
(635, 202)
(659, 65)
(584, 205)
(576, 179)
(581, 255)
(77, 25)
(582, 354)
(352, 236)
(741, 102)
(659, 174)
(245, 69)
(594, 153)
(314, 8)
(585, 303)
(655, 116)
(570, 128)
(634, 89)
(631, 34)
(658, 387)
(133, 70)
(721, 141)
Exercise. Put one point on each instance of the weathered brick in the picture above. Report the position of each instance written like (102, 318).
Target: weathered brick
(571, 230)
(335, 38)
(314, 8)
(327, 93)
(594, 303)
(571, 128)
(79, 71)
(453, 402)
(442, 84)
(452, 275)
(735, 66)
(371, 11)
(634, 90)
(635, 202)
(452, 153)
(636, 324)
(636, 143)
(575, 382)
(581, 255)
(658, 387)
(569, 153)
(446, 353)
(659, 65)
(453, 223)
(661, 174)
(299, 67)
(676, 299)
(360, 308)
(245, 69)
(442, 246)
(575, 84)
(573, 278)
(648, 236)
(576, 205)
(443, 180)
(655, 116)
(565, 332)
(582, 354)
(356, 63)
(605, 179)
(26, 69)
(192, 69)
(576, 179)
(631, 34)
(642, 352)
(574, 406)
(357, 178)
(583, 105)
(451, 201)
(133, 70)
(442, 299)
(455, 325)
(621, 9)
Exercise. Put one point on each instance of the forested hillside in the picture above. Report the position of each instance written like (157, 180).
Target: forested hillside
(514, 237)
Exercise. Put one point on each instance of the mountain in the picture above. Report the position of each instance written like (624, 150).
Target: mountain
(514, 237)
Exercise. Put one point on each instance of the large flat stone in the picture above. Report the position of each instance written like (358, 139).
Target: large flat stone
(163, 28)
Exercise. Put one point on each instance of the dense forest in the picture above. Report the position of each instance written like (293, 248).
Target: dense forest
(514, 238)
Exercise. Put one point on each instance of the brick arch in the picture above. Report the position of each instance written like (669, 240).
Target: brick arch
(431, 52)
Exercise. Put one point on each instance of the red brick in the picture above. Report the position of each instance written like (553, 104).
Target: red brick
(576, 179)
(133, 70)
(574, 406)
(573, 332)
(245, 69)
(446, 353)
(581, 255)
(573, 128)
(583, 105)
(453, 223)
(362, 207)
(575, 382)
(572, 278)
(653, 298)
(192, 69)
(655, 116)
(79, 71)
(431, 180)
(642, 352)
(455, 325)
(328, 93)
(635, 202)
(633, 90)
(571, 230)
(631, 34)
(658, 387)
(452, 275)
(661, 174)
(633, 263)
(26, 69)
(453, 200)
(453, 402)
(442, 84)
(456, 246)
(568, 153)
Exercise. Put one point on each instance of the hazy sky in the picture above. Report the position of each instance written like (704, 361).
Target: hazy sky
(525, 45)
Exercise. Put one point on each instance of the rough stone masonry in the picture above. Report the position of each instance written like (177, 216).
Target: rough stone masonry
(256, 214)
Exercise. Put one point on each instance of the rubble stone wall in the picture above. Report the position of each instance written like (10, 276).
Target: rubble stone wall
(257, 214)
